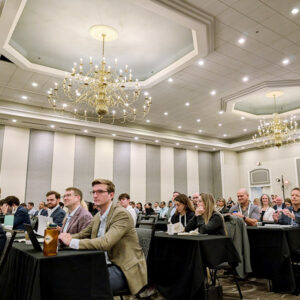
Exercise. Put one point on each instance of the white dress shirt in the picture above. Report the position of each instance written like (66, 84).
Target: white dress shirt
(133, 213)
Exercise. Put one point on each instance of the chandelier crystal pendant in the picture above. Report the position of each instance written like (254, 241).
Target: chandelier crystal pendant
(112, 93)
(276, 131)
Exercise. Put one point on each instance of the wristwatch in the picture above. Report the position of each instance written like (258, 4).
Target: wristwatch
(244, 218)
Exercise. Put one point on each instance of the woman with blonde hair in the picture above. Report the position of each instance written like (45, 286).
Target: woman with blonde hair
(184, 210)
(206, 218)
(266, 208)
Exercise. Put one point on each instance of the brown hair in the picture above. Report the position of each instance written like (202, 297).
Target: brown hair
(124, 195)
(209, 203)
(77, 192)
(110, 185)
(10, 200)
(269, 200)
(57, 195)
(288, 200)
(182, 198)
(296, 189)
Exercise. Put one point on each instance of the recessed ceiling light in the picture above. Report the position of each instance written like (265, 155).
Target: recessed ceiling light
(201, 62)
(286, 61)
(136, 138)
(220, 124)
(245, 129)
(213, 92)
(198, 120)
(177, 144)
(85, 131)
(200, 130)
(179, 127)
(187, 103)
(221, 112)
(156, 141)
(241, 40)
(224, 134)
(24, 97)
(113, 134)
(34, 84)
(245, 79)
(295, 11)
(243, 148)
(52, 126)
(14, 120)
(146, 94)
(148, 121)
(196, 146)
(170, 80)
(165, 113)
(242, 118)
(65, 105)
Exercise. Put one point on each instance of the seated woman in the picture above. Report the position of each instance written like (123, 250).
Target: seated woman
(266, 208)
(221, 206)
(184, 210)
(206, 218)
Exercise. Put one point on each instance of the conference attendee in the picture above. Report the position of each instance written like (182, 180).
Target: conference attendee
(279, 204)
(3, 207)
(112, 230)
(244, 209)
(148, 209)
(172, 208)
(139, 206)
(54, 209)
(156, 207)
(30, 208)
(287, 202)
(267, 210)
(24, 205)
(290, 215)
(273, 199)
(21, 215)
(184, 210)
(163, 209)
(256, 201)
(78, 217)
(124, 202)
(195, 199)
(207, 220)
(132, 204)
(230, 202)
(42, 209)
(221, 206)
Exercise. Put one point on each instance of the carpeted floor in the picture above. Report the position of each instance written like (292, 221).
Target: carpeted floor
(252, 289)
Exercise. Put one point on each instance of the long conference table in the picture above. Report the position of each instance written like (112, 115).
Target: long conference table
(71, 275)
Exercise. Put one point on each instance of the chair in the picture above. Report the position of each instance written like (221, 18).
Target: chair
(145, 236)
(144, 221)
(7, 247)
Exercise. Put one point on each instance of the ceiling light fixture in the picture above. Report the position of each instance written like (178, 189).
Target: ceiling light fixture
(111, 92)
(275, 132)
(245, 79)
(179, 127)
(242, 118)
(245, 129)
(286, 61)
(14, 120)
(85, 131)
(196, 146)
(198, 120)
(224, 134)
(113, 134)
(213, 92)
(177, 144)
(241, 40)
(156, 141)
(220, 124)
(200, 130)
(52, 126)
(170, 80)
(24, 97)
(165, 113)
(34, 84)
(221, 112)
(136, 138)
(148, 121)
(295, 11)
(187, 103)
(201, 62)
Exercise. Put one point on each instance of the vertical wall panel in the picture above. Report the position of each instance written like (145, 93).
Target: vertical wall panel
(153, 174)
(180, 171)
(14, 162)
(121, 167)
(84, 164)
(205, 172)
(138, 172)
(63, 161)
(1, 142)
(104, 158)
(167, 173)
(217, 176)
(192, 172)
(39, 165)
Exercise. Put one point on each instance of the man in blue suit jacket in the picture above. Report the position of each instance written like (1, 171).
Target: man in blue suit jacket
(42, 210)
(54, 210)
(21, 215)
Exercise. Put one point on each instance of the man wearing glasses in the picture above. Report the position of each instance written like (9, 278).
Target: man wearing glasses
(112, 230)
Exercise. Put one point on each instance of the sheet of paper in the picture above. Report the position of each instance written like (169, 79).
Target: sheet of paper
(43, 221)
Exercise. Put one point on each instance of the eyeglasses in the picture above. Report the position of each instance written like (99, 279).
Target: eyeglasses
(98, 192)
(67, 195)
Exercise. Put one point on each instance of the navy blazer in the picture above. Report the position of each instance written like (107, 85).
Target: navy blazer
(43, 213)
(58, 216)
(2, 239)
(21, 217)
(283, 206)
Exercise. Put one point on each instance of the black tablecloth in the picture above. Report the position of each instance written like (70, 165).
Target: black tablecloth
(177, 263)
(271, 250)
(71, 275)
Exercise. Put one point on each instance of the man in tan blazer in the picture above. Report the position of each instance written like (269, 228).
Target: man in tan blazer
(112, 230)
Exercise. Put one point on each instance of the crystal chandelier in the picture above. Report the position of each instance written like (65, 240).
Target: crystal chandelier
(276, 131)
(112, 93)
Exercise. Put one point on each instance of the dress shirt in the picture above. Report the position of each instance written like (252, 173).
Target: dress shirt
(133, 213)
(163, 211)
(69, 217)
(172, 211)
(32, 212)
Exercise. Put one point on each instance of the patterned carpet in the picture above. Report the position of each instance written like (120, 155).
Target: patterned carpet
(252, 289)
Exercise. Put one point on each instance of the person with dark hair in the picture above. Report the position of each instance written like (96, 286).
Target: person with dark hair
(221, 206)
(139, 206)
(42, 209)
(124, 202)
(148, 209)
(61, 204)
(21, 216)
(54, 210)
(184, 210)
(112, 231)
(30, 208)
(290, 215)
(23, 204)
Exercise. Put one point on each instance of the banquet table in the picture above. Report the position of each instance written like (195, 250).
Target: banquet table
(71, 275)
(177, 263)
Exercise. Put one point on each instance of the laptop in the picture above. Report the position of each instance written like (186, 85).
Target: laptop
(32, 236)
(9, 221)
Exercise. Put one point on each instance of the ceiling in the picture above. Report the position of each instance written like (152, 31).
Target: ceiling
(161, 40)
